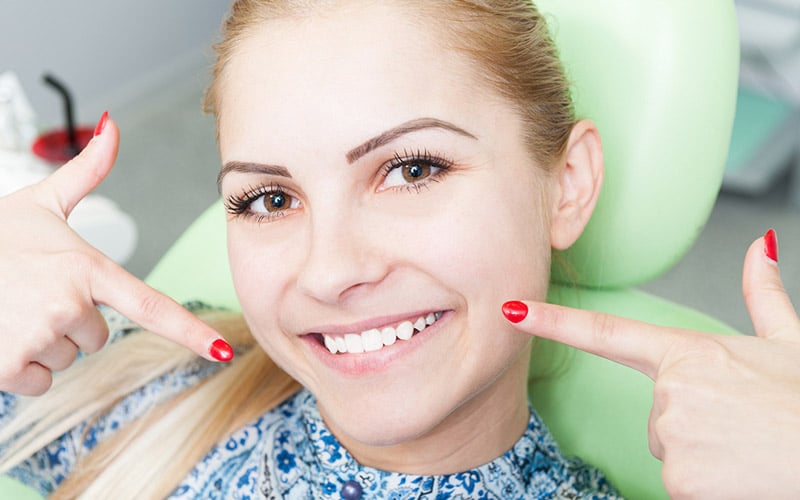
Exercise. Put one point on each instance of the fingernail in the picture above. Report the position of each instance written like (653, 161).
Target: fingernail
(221, 350)
(771, 245)
(101, 125)
(515, 311)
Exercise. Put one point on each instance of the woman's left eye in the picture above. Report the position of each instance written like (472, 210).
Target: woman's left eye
(411, 171)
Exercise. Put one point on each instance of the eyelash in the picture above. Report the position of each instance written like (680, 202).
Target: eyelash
(439, 162)
(238, 205)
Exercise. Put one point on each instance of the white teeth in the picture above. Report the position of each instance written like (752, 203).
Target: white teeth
(388, 335)
(354, 343)
(374, 339)
(371, 339)
(331, 344)
(405, 330)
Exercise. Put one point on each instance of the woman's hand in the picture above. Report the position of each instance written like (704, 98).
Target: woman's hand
(51, 280)
(726, 411)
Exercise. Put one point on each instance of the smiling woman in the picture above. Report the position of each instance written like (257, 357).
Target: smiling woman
(372, 235)
(392, 173)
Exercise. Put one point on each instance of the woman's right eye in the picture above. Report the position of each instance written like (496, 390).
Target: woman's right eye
(263, 203)
(272, 202)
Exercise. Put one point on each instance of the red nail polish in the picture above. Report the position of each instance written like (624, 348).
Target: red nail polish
(221, 350)
(771, 245)
(101, 125)
(515, 311)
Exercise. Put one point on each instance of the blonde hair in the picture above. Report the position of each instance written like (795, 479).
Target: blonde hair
(507, 39)
(182, 429)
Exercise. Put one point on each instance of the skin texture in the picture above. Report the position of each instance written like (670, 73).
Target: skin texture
(352, 249)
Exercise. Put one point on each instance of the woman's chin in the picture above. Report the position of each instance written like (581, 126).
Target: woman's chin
(383, 420)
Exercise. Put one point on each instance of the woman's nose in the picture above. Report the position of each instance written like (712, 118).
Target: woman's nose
(341, 259)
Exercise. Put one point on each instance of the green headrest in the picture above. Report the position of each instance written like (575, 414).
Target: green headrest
(659, 78)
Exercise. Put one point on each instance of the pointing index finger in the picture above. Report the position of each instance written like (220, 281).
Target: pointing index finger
(154, 311)
(635, 344)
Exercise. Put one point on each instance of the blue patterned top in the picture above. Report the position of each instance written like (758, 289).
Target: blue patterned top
(289, 452)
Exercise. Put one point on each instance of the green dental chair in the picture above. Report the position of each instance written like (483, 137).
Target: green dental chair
(659, 78)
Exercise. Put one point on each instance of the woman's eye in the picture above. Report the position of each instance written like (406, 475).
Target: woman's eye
(272, 202)
(409, 172)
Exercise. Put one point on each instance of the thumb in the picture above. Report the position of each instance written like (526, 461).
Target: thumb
(770, 308)
(69, 184)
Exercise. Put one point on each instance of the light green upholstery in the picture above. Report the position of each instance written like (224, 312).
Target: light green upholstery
(659, 78)
(14, 490)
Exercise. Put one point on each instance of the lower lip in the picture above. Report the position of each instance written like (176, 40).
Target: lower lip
(375, 361)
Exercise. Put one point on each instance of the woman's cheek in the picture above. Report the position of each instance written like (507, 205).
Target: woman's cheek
(260, 269)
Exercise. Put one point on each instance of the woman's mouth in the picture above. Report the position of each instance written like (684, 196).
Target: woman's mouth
(376, 339)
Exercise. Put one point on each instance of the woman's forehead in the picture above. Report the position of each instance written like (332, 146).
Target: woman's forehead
(298, 79)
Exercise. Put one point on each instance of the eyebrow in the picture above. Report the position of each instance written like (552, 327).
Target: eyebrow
(405, 128)
(251, 168)
(353, 155)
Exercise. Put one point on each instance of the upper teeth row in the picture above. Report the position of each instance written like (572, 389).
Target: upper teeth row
(375, 339)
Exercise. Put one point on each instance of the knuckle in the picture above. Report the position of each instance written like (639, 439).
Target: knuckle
(664, 430)
(150, 306)
(96, 341)
(552, 318)
(770, 286)
(674, 483)
(711, 351)
(31, 380)
(666, 389)
(604, 328)
(83, 262)
(13, 368)
(62, 314)
(40, 387)
(65, 361)
(698, 354)
(681, 483)
(656, 447)
(670, 429)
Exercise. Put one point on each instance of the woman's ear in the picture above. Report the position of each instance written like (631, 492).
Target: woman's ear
(580, 178)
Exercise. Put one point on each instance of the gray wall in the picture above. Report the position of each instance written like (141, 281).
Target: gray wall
(107, 52)
(147, 62)
(770, 35)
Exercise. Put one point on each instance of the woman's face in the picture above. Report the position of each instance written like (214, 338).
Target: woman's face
(382, 201)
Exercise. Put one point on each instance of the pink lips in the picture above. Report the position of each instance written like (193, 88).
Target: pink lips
(354, 359)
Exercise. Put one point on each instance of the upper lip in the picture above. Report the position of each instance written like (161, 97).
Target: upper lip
(362, 326)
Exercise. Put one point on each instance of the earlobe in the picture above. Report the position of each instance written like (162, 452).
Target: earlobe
(579, 181)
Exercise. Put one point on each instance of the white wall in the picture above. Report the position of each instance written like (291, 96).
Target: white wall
(106, 51)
